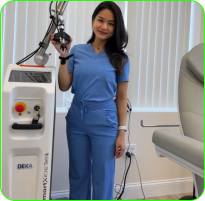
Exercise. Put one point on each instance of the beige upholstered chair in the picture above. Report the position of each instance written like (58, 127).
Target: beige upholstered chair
(187, 149)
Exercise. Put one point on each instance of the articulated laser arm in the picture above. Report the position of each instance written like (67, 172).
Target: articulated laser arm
(41, 57)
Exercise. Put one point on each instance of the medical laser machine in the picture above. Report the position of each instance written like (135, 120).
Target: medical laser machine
(27, 134)
(28, 119)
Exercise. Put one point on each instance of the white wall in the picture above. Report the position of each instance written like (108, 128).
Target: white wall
(160, 176)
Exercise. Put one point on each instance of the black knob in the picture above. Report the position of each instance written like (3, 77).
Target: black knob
(37, 108)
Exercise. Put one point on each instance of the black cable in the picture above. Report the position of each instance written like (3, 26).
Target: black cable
(120, 185)
(128, 147)
(139, 176)
(34, 52)
(129, 124)
(52, 17)
(48, 30)
(27, 57)
(133, 154)
(125, 179)
(50, 8)
(121, 181)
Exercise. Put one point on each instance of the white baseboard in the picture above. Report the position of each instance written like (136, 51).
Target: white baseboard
(151, 189)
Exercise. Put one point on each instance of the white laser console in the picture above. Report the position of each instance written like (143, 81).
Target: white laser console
(28, 115)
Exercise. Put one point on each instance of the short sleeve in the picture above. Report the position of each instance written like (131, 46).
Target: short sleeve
(126, 70)
(71, 60)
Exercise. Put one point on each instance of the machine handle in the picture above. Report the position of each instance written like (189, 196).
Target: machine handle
(27, 126)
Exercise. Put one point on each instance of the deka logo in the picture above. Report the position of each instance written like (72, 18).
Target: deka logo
(25, 166)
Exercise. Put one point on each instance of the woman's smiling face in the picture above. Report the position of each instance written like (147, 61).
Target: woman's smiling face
(104, 25)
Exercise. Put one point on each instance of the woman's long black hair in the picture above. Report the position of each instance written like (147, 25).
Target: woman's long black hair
(118, 42)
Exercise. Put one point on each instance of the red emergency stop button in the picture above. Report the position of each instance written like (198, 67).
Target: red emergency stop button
(20, 107)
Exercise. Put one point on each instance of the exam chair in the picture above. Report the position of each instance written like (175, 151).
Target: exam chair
(187, 148)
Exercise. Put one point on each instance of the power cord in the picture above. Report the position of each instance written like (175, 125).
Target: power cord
(139, 175)
(128, 155)
(121, 182)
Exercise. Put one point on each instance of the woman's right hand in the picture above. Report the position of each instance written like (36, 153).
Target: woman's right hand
(57, 45)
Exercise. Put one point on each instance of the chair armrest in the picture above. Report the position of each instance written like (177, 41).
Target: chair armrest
(182, 146)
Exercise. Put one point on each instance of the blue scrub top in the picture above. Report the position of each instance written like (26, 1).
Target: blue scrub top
(94, 78)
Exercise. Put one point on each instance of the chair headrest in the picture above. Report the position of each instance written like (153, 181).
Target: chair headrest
(195, 61)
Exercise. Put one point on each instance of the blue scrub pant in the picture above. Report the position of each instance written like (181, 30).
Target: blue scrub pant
(91, 133)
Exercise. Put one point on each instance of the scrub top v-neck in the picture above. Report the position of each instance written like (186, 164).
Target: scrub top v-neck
(94, 78)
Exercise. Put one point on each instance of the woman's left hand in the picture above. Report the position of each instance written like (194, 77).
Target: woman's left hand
(120, 145)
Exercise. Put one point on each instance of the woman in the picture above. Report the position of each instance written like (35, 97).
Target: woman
(97, 70)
